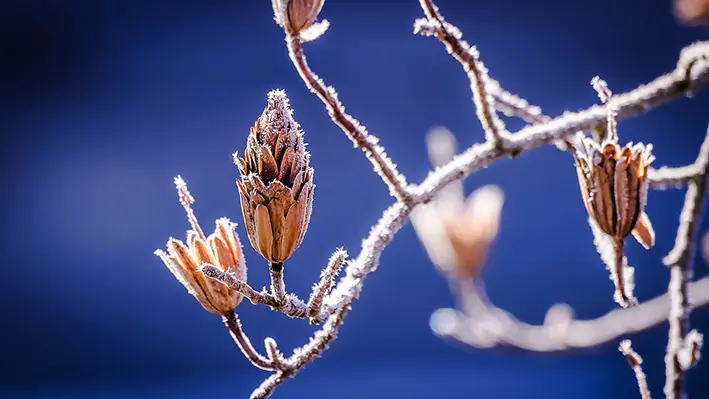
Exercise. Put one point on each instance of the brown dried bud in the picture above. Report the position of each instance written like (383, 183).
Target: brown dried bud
(276, 186)
(221, 249)
(296, 15)
(613, 184)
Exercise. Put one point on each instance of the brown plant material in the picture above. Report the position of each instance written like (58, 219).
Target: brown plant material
(221, 249)
(276, 186)
(613, 182)
(296, 15)
(457, 233)
(692, 12)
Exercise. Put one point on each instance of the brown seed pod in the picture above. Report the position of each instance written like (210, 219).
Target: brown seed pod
(276, 186)
(221, 249)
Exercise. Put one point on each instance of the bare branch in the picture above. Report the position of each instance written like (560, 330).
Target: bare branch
(292, 306)
(468, 57)
(232, 322)
(680, 261)
(326, 280)
(635, 362)
(354, 130)
(491, 326)
(512, 105)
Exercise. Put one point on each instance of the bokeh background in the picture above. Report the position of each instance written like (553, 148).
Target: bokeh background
(103, 102)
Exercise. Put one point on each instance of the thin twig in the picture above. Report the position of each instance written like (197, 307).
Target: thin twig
(513, 105)
(468, 57)
(326, 280)
(292, 307)
(232, 322)
(680, 262)
(635, 362)
(354, 130)
(491, 326)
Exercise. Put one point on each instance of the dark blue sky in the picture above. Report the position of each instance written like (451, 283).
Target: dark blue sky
(102, 103)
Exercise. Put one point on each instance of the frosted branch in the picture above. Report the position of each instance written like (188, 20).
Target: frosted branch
(291, 306)
(469, 57)
(635, 362)
(680, 262)
(326, 280)
(354, 130)
(232, 323)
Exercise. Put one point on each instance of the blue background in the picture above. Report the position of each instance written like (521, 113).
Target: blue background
(103, 102)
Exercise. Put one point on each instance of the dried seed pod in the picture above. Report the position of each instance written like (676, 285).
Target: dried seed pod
(276, 186)
(296, 15)
(221, 249)
(613, 182)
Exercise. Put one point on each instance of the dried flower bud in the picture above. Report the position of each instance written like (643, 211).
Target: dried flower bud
(296, 15)
(221, 249)
(458, 242)
(276, 186)
(613, 184)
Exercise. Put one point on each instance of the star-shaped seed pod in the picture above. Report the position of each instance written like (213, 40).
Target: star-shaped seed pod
(276, 185)
(221, 249)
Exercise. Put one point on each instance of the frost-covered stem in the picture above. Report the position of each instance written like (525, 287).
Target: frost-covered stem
(512, 105)
(635, 362)
(231, 320)
(292, 307)
(680, 261)
(621, 294)
(268, 385)
(468, 57)
(565, 333)
(354, 130)
(303, 355)
(278, 284)
(326, 280)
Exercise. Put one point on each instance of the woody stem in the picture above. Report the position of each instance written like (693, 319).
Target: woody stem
(278, 285)
(621, 293)
(231, 320)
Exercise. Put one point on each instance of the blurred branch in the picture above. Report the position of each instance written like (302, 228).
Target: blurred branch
(490, 326)
(680, 261)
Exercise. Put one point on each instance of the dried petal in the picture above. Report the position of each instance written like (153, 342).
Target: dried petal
(264, 232)
(643, 231)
